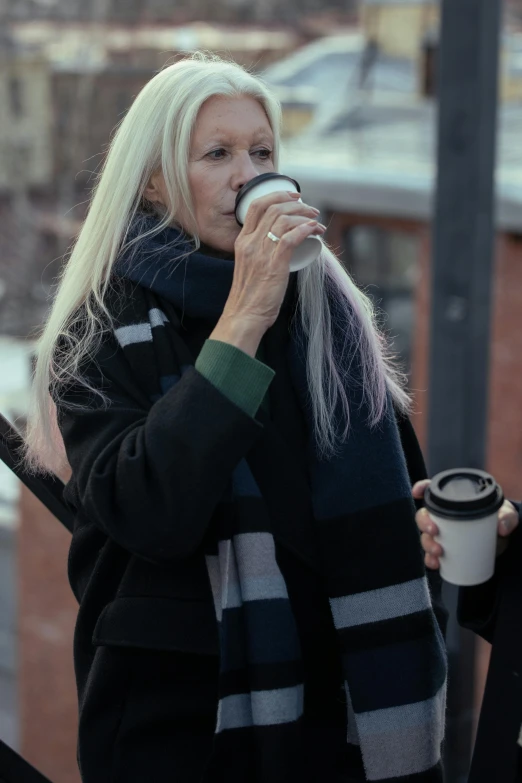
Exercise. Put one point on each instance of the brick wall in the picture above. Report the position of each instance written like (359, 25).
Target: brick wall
(504, 446)
(47, 612)
(505, 404)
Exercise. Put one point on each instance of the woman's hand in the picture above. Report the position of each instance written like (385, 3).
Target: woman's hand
(261, 267)
(507, 522)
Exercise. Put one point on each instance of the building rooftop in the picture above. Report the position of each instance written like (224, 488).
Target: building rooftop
(373, 149)
(374, 161)
(90, 45)
(320, 67)
(399, 2)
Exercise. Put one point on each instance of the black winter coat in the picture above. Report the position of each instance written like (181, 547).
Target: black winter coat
(145, 482)
(494, 611)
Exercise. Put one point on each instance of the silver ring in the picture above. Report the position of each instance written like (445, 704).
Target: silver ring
(273, 237)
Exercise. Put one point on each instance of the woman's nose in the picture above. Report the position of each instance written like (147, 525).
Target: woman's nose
(244, 171)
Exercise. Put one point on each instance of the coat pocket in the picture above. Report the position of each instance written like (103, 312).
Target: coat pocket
(158, 623)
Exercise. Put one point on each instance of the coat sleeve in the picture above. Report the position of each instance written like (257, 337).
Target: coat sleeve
(150, 475)
(417, 471)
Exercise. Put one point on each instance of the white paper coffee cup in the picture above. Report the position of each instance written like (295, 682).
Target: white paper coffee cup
(271, 182)
(464, 505)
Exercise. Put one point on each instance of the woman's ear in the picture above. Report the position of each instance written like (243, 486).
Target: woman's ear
(155, 191)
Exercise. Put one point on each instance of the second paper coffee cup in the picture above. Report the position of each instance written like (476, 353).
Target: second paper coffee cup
(271, 182)
(464, 504)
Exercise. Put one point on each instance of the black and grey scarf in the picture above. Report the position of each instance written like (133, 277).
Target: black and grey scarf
(392, 651)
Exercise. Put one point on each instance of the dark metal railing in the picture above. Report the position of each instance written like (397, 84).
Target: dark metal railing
(48, 489)
(15, 769)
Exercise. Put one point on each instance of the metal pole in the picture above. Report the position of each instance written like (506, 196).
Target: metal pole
(463, 250)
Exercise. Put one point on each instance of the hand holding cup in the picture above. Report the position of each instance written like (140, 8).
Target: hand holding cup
(262, 266)
(507, 523)
(308, 246)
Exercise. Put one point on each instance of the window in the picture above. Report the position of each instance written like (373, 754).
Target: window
(385, 264)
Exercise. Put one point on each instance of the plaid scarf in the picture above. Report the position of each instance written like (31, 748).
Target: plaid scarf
(392, 652)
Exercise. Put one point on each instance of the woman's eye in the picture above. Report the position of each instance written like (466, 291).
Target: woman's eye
(216, 154)
(264, 154)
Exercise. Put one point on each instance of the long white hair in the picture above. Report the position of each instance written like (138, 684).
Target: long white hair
(156, 133)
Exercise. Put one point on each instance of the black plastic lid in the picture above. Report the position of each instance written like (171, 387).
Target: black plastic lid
(463, 493)
(261, 178)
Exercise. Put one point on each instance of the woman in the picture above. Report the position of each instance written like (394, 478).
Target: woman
(494, 611)
(242, 616)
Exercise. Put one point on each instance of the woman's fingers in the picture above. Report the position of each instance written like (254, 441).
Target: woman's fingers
(428, 528)
(430, 546)
(419, 488)
(507, 519)
(286, 223)
(432, 551)
(258, 208)
(291, 239)
(425, 523)
(274, 211)
(432, 562)
(263, 212)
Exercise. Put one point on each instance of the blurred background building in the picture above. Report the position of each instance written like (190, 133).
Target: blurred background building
(357, 80)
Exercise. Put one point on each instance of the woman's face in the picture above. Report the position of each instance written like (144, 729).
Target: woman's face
(232, 142)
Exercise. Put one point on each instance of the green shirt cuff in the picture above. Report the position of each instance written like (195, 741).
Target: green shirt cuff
(235, 374)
